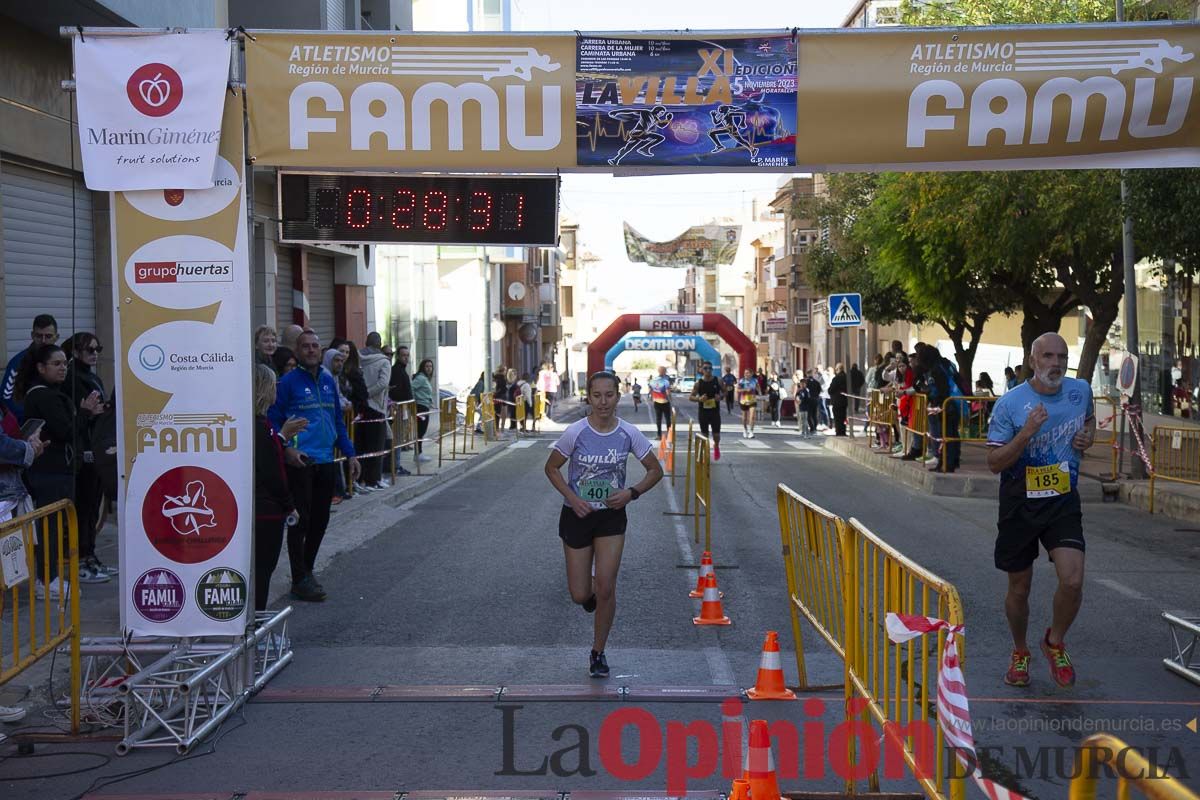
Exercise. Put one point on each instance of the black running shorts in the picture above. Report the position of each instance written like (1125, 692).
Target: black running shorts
(710, 420)
(578, 533)
(1023, 523)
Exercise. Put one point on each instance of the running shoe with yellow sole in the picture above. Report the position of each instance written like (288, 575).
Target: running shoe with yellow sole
(1018, 669)
(1060, 663)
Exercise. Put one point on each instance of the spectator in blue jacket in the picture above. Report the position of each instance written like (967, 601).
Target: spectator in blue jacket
(45, 331)
(311, 393)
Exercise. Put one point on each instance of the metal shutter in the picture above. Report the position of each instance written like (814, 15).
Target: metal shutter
(40, 276)
(320, 296)
(335, 15)
(283, 289)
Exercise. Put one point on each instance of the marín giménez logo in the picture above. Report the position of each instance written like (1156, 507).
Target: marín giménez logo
(155, 89)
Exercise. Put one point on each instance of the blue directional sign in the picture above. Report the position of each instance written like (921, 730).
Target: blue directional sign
(845, 310)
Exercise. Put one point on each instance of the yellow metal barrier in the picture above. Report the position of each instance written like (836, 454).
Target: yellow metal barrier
(49, 622)
(689, 465)
(539, 407)
(1131, 769)
(1175, 456)
(1107, 416)
(469, 417)
(881, 413)
(898, 681)
(487, 415)
(918, 423)
(813, 558)
(701, 472)
(447, 427)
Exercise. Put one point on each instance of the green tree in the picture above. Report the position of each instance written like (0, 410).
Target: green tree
(1163, 204)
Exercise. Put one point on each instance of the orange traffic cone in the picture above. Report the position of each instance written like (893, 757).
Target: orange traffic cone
(740, 790)
(769, 685)
(671, 449)
(706, 568)
(710, 609)
(662, 448)
(760, 764)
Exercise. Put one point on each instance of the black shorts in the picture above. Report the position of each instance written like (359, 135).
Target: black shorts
(578, 533)
(1023, 523)
(710, 419)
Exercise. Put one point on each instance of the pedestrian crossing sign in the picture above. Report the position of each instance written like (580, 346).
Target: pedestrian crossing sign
(845, 310)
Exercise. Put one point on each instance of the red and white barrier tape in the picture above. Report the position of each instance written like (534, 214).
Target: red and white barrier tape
(953, 710)
(1134, 415)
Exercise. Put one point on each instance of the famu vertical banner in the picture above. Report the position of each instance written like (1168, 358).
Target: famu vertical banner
(181, 283)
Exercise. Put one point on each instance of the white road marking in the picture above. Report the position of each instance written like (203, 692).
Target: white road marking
(521, 445)
(804, 446)
(1121, 588)
(754, 444)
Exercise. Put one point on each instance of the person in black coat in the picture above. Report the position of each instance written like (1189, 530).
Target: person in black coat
(52, 477)
(83, 351)
(838, 387)
(273, 502)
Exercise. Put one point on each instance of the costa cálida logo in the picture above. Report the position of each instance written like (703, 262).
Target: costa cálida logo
(155, 89)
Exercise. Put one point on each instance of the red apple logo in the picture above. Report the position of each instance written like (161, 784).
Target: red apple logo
(155, 89)
(173, 196)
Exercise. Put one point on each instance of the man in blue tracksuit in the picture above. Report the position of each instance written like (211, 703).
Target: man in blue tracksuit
(311, 393)
(45, 331)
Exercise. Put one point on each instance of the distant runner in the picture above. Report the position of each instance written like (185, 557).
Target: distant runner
(729, 384)
(1039, 431)
(747, 390)
(637, 395)
(660, 397)
(593, 519)
(707, 392)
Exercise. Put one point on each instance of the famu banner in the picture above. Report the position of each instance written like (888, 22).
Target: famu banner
(1062, 96)
(693, 102)
(150, 108)
(698, 246)
(181, 279)
(396, 101)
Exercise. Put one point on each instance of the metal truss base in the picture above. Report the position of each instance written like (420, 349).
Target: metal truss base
(1185, 635)
(169, 692)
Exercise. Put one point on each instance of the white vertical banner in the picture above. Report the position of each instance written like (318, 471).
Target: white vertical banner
(181, 282)
(150, 108)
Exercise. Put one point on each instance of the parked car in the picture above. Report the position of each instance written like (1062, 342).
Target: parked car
(685, 385)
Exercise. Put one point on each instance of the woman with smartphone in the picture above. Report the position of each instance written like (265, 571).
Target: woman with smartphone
(52, 477)
(83, 351)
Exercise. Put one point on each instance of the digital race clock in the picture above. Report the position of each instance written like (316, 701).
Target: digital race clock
(401, 209)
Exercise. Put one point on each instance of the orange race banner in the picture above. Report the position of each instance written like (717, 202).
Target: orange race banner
(395, 101)
(1045, 97)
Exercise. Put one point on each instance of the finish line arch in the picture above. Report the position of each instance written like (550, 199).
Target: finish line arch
(682, 343)
(673, 323)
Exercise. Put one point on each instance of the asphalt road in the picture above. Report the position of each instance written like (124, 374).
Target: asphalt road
(468, 588)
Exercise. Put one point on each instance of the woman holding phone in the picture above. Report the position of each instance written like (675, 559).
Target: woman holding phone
(83, 351)
(52, 477)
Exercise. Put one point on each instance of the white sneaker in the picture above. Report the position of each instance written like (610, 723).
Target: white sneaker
(384, 483)
(58, 589)
(750, 435)
(11, 713)
(424, 458)
(362, 488)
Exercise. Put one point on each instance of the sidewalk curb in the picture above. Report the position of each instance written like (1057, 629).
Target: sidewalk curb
(1174, 505)
(935, 483)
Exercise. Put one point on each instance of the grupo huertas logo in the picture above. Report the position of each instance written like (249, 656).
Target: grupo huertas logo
(180, 295)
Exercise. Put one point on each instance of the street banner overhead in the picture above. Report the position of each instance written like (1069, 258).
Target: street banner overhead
(686, 102)
(1002, 98)
(698, 246)
(429, 101)
(150, 108)
(181, 273)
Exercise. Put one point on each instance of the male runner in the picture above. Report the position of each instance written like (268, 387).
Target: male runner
(637, 395)
(643, 136)
(592, 522)
(747, 389)
(729, 381)
(707, 392)
(729, 121)
(660, 398)
(1038, 434)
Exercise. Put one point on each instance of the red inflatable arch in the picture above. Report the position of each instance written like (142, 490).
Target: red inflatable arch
(674, 323)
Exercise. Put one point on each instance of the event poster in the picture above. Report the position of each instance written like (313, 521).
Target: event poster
(686, 102)
(698, 246)
(181, 282)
